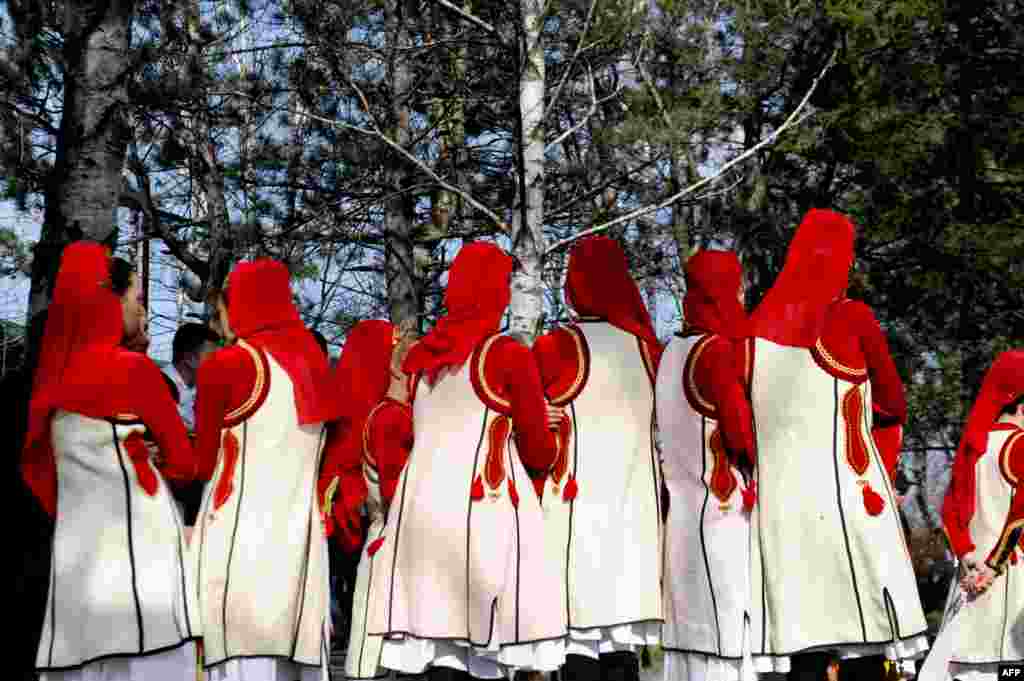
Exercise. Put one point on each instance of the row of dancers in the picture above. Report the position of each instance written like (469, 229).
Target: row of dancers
(727, 496)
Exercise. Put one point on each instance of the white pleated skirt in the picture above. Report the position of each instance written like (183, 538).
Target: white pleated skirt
(177, 664)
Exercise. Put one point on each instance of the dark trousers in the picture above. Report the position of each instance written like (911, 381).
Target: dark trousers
(619, 666)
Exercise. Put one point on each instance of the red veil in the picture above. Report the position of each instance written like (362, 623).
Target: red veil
(477, 295)
(261, 312)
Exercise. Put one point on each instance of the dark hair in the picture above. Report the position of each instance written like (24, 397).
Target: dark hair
(121, 272)
(320, 340)
(189, 338)
(1010, 408)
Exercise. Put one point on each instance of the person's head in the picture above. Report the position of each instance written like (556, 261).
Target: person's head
(1013, 412)
(192, 343)
(125, 285)
(832, 668)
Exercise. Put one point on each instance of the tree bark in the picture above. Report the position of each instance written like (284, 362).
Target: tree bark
(527, 306)
(83, 191)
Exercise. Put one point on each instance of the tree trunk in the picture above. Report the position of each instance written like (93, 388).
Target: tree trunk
(527, 307)
(83, 191)
(400, 262)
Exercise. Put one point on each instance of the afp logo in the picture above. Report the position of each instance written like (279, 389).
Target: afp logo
(1012, 671)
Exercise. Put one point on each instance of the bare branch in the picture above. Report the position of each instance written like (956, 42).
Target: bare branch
(794, 119)
(595, 102)
(575, 56)
(468, 17)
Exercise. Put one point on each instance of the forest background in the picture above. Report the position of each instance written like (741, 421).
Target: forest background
(362, 141)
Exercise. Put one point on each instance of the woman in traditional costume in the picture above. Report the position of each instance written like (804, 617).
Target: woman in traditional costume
(121, 601)
(466, 586)
(830, 567)
(707, 446)
(366, 463)
(262, 405)
(983, 515)
(602, 499)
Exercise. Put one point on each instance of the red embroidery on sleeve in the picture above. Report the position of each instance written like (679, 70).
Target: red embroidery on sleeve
(561, 465)
(494, 464)
(856, 449)
(225, 486)
(722, 481)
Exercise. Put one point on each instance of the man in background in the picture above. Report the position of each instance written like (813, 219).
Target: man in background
(191, 345)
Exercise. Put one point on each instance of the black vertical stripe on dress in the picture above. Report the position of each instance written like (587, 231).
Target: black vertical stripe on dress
(131, 541)
(515, 511)
(703, 541)
(572, 507)
(309, 540)
(469, 518)
(234, 536)
(839, 503)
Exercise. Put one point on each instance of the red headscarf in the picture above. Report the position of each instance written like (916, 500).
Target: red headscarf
(598, 284)
(478, 293)
(816, 273)
(1003, 384)
(711, 303)
(364, 376)
(261, 312)
(81, 367)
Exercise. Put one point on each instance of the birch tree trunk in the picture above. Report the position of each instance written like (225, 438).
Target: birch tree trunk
(527, 306)
(84, 188)
(400, 263)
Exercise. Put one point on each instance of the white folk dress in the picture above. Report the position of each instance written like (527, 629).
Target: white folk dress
(990, 630)
(608, 538)
(121, 603)
(465, 583)
(362, 661)
(707, 531)
(261, 557)
(825, 573)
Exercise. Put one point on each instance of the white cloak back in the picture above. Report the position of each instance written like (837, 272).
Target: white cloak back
(262, 557)
(707, 533)
(120, 583)
(990, 630)
(825, 573)
(608, 538)
(459, 582)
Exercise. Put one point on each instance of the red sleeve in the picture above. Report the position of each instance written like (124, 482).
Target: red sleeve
(224, 381)
(888, 400)
(1011, 462)
(390, 438)
(521, 378)
(718, 376)
(161, 417)
(557, 359)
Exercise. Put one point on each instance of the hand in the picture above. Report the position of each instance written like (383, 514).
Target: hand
(138, 343)
(979, 580)
(555, 416)
(155, 455)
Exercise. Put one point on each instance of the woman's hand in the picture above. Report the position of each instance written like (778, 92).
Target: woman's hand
(555, 416)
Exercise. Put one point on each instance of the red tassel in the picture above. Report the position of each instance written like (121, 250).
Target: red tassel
(476, 492)
(750, 496)
(538, 486)
(374, 546)
(1013, 557)
(512, 493)
(225, 486)
(138, 454)
(571, 489)
(873, 502)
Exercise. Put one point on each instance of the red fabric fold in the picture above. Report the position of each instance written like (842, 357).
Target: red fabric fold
(598, 284)
(138, 454)
(476, 297)
(816, 273)
(261, 312)
(711, 303)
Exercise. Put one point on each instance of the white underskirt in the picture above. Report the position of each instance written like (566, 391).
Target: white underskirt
(966, 671)
(264, 669)
(410, 655)
(687, 666)
(595, 642)
(172, 665)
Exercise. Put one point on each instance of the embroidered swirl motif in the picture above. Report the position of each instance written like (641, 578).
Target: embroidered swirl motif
(856, 448)
(561, 465)
(494, 464)
(722, 481)
(225, 486)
